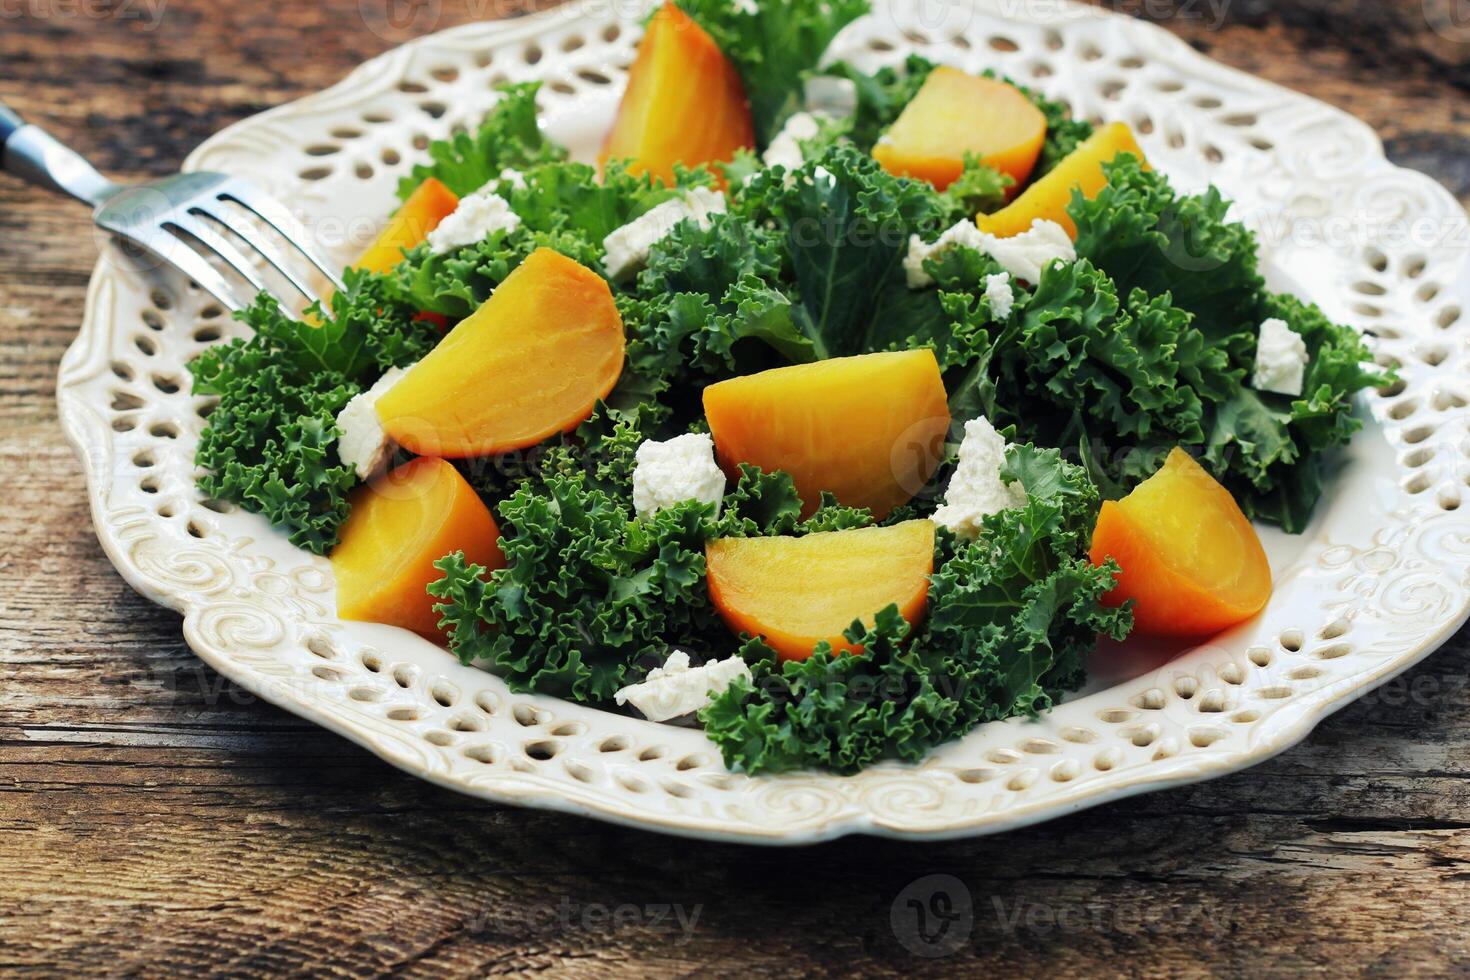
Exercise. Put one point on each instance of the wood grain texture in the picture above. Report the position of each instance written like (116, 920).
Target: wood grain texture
(154, 817)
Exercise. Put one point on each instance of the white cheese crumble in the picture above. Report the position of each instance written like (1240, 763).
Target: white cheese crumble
(364, 445)
(1026, 254)
(516, 178)
(785, 148)
(478, 216)
(1023, 255)
(677, 689)
(1281, 359)
(1002, 297)
(828, 95)
(976, 489)
(682, 468)
(962, 233)
(628, 247)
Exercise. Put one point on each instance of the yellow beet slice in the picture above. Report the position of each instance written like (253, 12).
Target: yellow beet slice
(428, 205)
(1192, 563)
(399, 525)
(955, 113)
(796, 592)
(868, 429)
(532, 361)
(684, 103)
(1049, 196)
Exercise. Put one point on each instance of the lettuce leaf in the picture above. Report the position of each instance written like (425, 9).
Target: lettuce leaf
(509, 136)
(1011, 616)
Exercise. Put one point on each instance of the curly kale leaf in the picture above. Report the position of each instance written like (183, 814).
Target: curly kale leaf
(706, 290)
(764, 503)
(1012, 614)
(508, 137)
(1148, 341)
(979, 189)
(562, 206)
(847, 227)
(1124, 378)
(590, 598)
(270, 443)
(1146, 236)
(572, 197)
(456, 282)
(772, 45)
(1265, 447)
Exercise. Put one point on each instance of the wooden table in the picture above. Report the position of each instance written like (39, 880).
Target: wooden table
(155, 817)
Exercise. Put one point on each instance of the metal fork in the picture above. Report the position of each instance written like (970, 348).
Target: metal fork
(151, 216)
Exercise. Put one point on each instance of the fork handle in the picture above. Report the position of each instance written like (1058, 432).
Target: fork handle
(9, 123)
(35, 156)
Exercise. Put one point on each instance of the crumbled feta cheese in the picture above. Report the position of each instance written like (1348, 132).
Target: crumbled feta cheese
(1281, 359)
(516, 178)
(478, 216)
(1023, 255)
(364, 445)
(829, 95)
(677, 689)
(682, 468)
(1026, 254)
(785, 148)
(1002, 297)
(976, 489)
(628, 247)
(963, 233)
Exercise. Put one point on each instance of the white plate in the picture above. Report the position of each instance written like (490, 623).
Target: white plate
(1377, 583)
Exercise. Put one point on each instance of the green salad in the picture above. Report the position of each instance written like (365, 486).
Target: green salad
(1125, 321)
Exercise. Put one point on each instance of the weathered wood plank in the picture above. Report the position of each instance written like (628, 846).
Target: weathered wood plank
(154, 816)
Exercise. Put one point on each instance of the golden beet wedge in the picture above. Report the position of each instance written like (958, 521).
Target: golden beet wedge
(684, 103)
(531, 362)
(399, 525)
(1192, 563)
(428, 205)
(868, 429)
(955, 113)
(796, 592)
(1049, 196)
